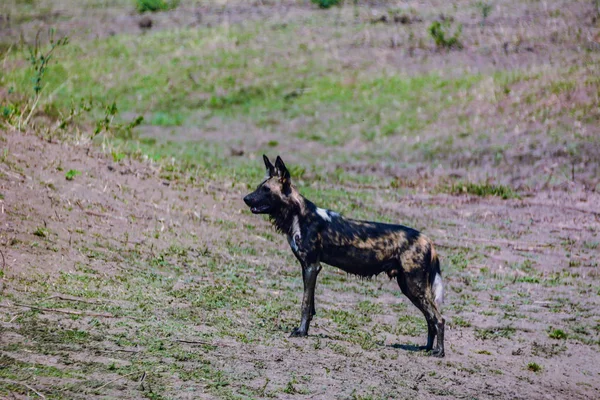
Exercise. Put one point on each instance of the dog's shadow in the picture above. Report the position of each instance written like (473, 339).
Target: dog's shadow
(407, 347)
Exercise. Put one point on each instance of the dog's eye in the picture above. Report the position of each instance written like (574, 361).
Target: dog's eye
(266, 189)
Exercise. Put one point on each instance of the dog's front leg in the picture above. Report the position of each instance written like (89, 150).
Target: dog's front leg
(309, 273)
(304, 276)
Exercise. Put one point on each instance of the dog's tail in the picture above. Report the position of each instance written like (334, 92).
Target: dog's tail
(435, 278)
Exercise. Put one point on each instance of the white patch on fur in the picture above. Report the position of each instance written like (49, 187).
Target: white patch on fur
(295, 235)
(323, 214)
(438, 289)
(296, 228)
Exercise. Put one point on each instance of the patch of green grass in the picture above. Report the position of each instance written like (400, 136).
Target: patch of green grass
(155, 5)
(71, 174)
(242, 76)
(557, 334)
(41, 232)
(118, 156)
(460, 322)
(506, 332)
(483, 190)
(411, 326)
(439, 31)
(534, 367)
(326, 3)
(162, 118)
(458, 260)
(368, 307)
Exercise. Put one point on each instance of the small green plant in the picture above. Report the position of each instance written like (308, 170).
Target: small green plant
(106, 124)
(486, 10)
(39, 60)
(439, 33)
(117, 156)
(155, 5)
(326, 3)
(289, 388)
(494, 333)
(19, 114)
(535, 367)
(41, 232)
(71, 174)
(461, 322)
(483, 190)
(557, 334)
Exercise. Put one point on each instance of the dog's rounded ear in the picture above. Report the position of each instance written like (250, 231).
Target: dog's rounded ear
(270, 168)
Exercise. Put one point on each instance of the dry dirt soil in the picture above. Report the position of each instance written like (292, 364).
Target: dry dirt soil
(123, 282)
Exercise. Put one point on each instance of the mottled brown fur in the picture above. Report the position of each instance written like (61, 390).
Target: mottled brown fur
(363, 248)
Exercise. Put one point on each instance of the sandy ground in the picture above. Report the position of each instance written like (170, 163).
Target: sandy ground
(132, 247)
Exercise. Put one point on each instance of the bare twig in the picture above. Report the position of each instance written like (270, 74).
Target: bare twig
(70, 298)
(33, 107)
(119, 350)
(101, 215)
(193, 341)
(121, 377)
(24, 384)
(14, 317)
(203, 342)
(3, 259)
(71, 312)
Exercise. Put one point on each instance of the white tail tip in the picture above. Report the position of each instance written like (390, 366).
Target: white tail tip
(438, 289)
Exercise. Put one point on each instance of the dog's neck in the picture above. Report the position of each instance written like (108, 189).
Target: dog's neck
(283, 220)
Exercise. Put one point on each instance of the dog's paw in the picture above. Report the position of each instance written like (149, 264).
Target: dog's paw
(298, 333)
(439, 353)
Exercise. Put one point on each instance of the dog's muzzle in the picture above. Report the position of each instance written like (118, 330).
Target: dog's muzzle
(256, 209)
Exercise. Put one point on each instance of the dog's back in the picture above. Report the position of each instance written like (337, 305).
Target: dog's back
(365, 248)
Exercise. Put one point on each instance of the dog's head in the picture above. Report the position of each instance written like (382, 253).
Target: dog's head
(273, 192)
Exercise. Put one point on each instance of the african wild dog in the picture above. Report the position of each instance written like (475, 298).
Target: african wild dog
(358, 247)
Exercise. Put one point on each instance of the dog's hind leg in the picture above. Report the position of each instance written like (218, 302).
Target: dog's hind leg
(421, 297)
(417, 301)
(438, 322)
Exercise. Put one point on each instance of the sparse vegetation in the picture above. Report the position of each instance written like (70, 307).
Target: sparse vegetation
(494, 333)
(326, 3)
(155, 5)
(149, 278)
(461, 322)
(440, 32)
(534, 367)
(18, 114)
(41, 232)
(486, 9)
(71, 174)
(557, 334)
(483, 189)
